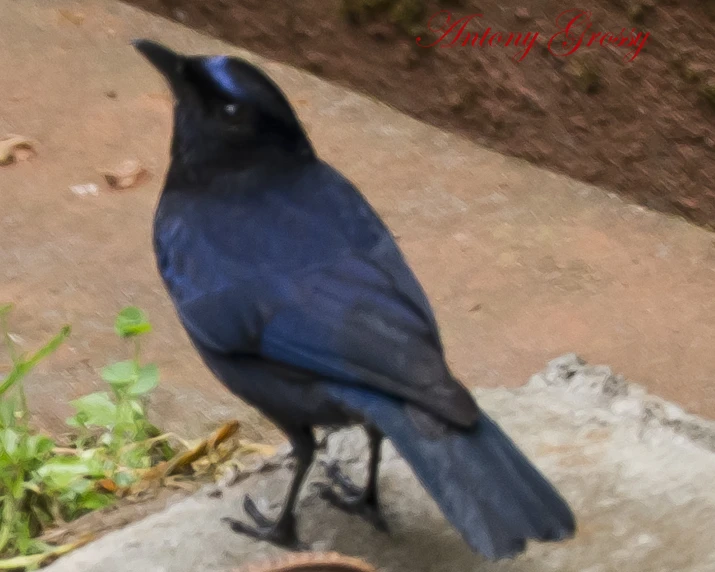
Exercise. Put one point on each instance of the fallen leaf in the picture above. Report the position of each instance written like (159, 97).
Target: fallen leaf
(230, 474)
(127, 174)
(259, 448)
(213, 458)
(108, 485)
(222, 433)
(185, 460)
(175, 483)
(311, 562)
(16, 148)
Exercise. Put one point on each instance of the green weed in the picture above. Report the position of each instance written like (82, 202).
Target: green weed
(42, 484)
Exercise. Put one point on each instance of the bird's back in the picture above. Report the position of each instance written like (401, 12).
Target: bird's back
(263, 220)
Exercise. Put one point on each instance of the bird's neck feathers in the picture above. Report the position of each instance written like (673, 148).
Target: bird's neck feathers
(198, 156)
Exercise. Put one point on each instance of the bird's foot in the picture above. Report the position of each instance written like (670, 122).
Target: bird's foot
(281, 532)
(352, 499)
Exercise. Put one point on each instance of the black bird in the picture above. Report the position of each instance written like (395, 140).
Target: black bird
(299, 300)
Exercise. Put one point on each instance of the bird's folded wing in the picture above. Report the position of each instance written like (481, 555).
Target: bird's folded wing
(353, 324)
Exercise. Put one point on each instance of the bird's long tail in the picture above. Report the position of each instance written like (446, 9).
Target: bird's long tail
(482, 483)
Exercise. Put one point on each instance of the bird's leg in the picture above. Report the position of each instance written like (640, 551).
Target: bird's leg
(356, 500)
(282, 531)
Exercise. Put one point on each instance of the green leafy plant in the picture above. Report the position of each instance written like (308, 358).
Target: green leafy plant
(117, 422)
(22, 453)
(40, 483)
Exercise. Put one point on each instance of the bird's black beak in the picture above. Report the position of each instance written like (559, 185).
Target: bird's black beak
(167, 62)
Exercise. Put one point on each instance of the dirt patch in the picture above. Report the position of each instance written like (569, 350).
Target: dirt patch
(645, 129)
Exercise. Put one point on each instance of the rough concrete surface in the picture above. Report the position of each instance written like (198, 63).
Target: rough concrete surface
(522, 265)
(636, 469)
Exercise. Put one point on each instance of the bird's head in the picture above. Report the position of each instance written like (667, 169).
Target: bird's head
(226, 110)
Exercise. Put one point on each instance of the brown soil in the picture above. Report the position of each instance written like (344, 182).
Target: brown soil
(644, 128)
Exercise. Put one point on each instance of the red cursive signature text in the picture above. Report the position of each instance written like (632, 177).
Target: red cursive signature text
(574, 31)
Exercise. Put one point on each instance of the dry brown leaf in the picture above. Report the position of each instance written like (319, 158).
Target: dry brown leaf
(311, 562)
(127, 174)
(214, 457)
(108, 485)
(204, 448)
(258, 448)
(224, 432)
(184, 460)
(16, 148)
(175, 483)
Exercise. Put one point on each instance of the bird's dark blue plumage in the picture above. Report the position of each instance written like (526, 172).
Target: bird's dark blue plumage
(330, 292)
(219, 68)
(299, 300)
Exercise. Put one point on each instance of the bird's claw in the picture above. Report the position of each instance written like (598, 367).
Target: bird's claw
(342, 481)
(353, 500)
(281, 533)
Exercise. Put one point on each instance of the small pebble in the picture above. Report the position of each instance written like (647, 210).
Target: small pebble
(84, 190)
(522, 14)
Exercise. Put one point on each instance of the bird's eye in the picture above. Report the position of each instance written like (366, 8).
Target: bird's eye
(230, 109)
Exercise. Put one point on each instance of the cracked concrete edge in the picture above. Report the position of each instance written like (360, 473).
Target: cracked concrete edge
(623, 399)
(595, 390)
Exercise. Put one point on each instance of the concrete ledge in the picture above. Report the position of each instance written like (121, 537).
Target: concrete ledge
(637, 471)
